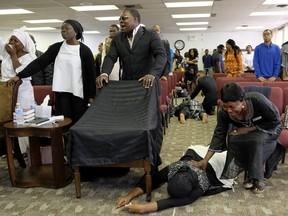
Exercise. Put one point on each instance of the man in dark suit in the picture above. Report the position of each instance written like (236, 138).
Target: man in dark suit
(140, 50)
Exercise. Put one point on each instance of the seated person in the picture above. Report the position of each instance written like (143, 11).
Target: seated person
(190, 109)
(207, 85)
(186, 183)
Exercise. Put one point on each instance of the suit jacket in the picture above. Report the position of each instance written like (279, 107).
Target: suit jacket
(147, 55)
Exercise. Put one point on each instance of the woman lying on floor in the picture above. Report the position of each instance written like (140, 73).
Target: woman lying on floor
(185, 182)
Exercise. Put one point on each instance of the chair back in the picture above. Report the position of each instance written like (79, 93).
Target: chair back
(8, 99)
(40, 93)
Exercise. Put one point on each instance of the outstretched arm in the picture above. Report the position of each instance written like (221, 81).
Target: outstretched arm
(124, 200)
(157, 180)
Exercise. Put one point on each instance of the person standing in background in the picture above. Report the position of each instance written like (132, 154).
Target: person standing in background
(248, 60)
(192, 70)
(267, 59)
(74, 71)
(177, 60)
(218, 60)
(98, 59)
(207, 60)
(233, 59)
(116, 72)
(284, 63)
(166, 44)
(45, 76)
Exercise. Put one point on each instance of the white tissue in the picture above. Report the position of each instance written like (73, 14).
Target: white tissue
(44, 111)
(45, 101)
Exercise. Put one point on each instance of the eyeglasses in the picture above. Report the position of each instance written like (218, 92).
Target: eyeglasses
(123, 18)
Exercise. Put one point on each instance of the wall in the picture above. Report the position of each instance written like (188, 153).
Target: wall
(201, 41)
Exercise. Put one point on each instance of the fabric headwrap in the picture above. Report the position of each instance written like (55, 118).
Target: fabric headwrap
(25, 39)
(77, 28)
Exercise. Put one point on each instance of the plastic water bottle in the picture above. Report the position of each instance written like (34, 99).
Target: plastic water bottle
(33, 105)
(19, 116)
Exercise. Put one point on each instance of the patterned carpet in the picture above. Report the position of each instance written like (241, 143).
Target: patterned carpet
(98, 197)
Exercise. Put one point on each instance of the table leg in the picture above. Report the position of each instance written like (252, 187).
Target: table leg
(57, 157)
(35, 154)
(10, 159)
(148, 179)
(77, 179)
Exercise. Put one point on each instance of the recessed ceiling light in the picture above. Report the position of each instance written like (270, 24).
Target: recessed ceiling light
(112, 18)
(43, 21)
(275, 2)
(190, 15)
(14, 11)
(94, 8)
(192, 29)
(40, 28)
(91, 32)
(191, 23)
(248, 27)
(189, 4)
(271, 13)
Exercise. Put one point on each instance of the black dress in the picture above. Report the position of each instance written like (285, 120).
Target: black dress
(162, 176)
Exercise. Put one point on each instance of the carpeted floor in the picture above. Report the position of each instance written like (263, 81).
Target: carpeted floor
(98, 197)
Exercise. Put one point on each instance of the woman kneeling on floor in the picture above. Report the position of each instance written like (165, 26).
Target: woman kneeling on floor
(248, 125)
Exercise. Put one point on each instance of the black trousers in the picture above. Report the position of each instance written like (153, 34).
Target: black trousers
(70, 106)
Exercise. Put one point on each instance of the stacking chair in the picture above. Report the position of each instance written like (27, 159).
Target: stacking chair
(122, 128)
(8, 99)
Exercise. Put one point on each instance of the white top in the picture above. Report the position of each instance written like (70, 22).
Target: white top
(25, 91)
(114, 75)
(67, 75)
(217, 162)
(248, 60)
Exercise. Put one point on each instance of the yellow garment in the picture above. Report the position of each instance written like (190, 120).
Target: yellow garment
(233, 65)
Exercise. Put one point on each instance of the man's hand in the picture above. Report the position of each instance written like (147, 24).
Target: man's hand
(271, 79)
(262, 79)
(12, 80)
(148, 80)
(100, 79)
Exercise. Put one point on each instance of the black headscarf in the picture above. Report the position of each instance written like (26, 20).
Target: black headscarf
(182, 183)
(77, 28)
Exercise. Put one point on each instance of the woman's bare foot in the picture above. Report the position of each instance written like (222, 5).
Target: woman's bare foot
(182, 118)
(204, 118)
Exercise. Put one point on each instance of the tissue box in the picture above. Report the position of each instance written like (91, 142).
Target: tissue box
(43, 111)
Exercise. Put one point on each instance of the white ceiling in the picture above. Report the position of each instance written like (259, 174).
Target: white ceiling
(229, 14)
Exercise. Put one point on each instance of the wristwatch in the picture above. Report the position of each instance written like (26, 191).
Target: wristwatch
(179, 44)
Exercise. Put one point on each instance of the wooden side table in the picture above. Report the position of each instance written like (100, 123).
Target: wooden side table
(55, 175)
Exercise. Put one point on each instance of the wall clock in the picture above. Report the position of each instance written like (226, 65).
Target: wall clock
(179, 44)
